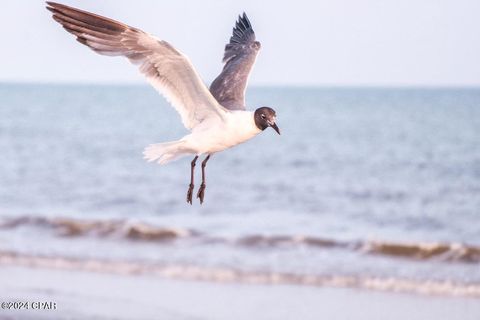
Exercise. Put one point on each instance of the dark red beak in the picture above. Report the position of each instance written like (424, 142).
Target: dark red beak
(274, 126)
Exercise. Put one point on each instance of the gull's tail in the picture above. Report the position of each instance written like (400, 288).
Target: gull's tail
(166, 152)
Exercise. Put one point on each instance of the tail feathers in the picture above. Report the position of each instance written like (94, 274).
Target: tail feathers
(165, 152)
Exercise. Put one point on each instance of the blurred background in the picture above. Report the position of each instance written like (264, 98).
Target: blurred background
(374, 182)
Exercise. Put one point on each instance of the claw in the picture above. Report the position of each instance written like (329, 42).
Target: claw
(189, 193)
(201, 192)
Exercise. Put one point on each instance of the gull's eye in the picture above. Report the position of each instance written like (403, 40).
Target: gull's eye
(263, 116)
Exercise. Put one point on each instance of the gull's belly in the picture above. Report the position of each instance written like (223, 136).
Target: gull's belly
(211, 139)
(215, 135)
(219, 139)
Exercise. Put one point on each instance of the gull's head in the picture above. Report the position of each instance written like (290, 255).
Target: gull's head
(265, 117)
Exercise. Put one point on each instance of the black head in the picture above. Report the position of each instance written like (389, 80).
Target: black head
(265, 117)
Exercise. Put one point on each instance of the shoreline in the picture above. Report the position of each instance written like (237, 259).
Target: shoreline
(241, 277)
(86, 295)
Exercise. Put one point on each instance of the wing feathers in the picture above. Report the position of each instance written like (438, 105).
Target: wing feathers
(88, 18)
(240, 54)
(168, 70)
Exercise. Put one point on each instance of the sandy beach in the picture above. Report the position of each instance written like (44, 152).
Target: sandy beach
(91, 295)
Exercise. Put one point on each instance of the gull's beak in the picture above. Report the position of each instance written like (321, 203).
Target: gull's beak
(274, 126)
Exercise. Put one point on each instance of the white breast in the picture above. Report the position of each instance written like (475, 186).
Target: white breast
(210, 137)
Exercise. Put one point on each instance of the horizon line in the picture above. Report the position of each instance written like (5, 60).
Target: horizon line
(260, 85)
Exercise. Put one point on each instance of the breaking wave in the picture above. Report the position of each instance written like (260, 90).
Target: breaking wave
(225, 275)
(69, 227)
(138, 231)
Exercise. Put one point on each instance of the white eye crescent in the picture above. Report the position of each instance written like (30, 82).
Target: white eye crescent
(263, 116)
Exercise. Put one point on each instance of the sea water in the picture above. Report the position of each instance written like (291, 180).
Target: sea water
(369, 187)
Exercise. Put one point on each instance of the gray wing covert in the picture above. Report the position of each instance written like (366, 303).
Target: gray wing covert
(240, 54)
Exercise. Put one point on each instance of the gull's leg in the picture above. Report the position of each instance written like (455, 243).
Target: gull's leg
(190, 187)
(201, 191)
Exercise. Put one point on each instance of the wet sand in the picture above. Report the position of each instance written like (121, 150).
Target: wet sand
(91, 295)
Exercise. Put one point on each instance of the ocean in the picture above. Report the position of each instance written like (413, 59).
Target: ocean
(376, 188)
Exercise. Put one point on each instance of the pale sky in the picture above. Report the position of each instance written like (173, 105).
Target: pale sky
(316, 43)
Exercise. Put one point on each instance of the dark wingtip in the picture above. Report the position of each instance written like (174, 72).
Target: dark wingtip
(243, 31)
(52, 4)
(82, 40)
(246, 21)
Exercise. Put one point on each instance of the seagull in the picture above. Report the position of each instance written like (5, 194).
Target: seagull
(217, 118)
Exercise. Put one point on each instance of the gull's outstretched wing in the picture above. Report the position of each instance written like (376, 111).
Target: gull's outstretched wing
(240, 54)
(167, 69)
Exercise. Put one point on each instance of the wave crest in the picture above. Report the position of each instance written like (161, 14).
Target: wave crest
(69, 227)
(424, 251)
(212, 274)
(138, 231)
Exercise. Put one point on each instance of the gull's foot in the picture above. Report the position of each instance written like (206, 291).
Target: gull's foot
(201, 192)
(189, 193)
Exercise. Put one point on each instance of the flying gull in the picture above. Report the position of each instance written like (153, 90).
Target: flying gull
(218, 119)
